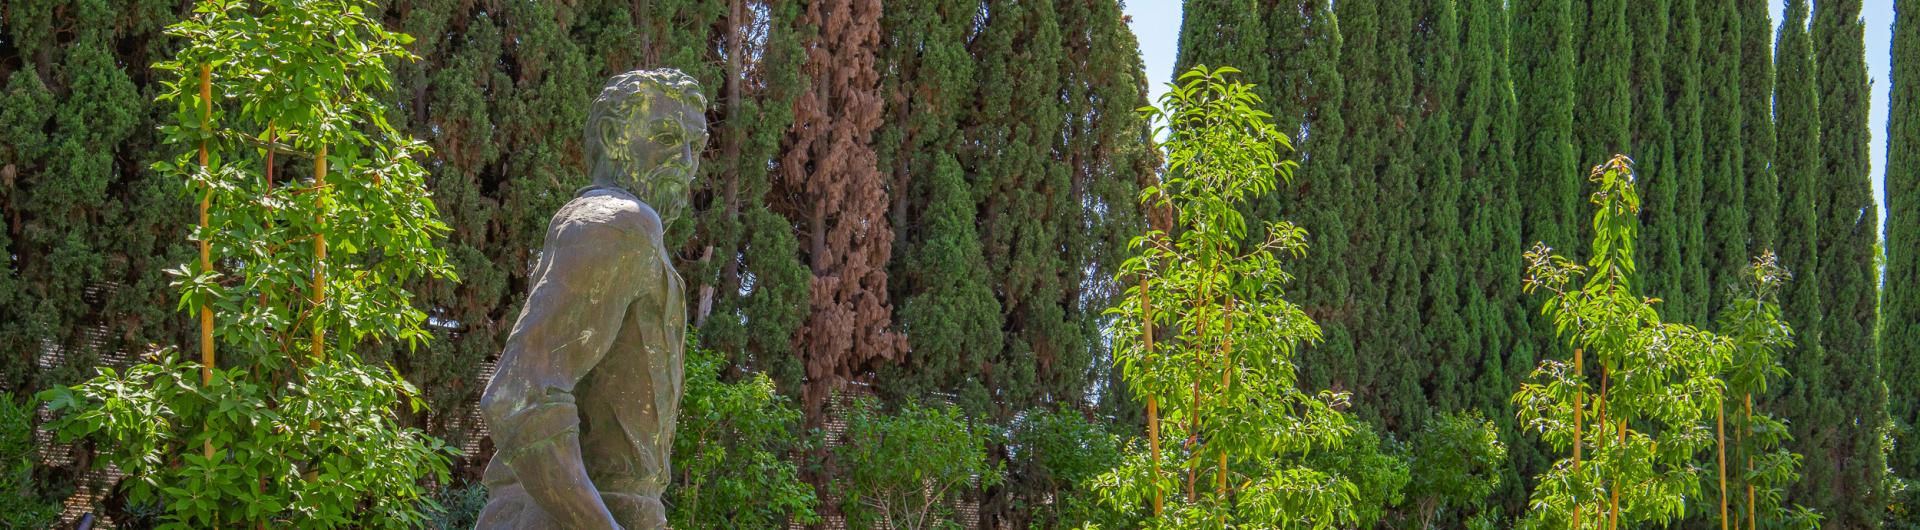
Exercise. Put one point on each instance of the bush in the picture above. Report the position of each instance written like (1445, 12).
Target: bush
(20, 506)
(728, 452)
(1459, 456)
(907, 470)
(456, 508)
(1057, 454)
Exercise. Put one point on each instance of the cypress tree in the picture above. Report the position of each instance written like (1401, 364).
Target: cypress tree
(1334, 365)
(1600, 119)
(1323, 192)
(1543, 84)
(1450, 346)
(757, 283)
(1491, 301)
(1800, 398)
(1900, 306)
(1109, 157)
(1689, 290)
(1846, 486)
(1653, 150)
(1397, 349)
(1015, 128)
(1756, 89)
(947, 309)
(1226, 33)
(1724, 201)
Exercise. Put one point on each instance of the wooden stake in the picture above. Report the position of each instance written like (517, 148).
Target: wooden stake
(1153, 401)
(206, 247)
(320, 258)
(1720, 427)
(1751, 520)
(1579, 375)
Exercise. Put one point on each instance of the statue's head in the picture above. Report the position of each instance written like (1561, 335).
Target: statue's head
(645, 133)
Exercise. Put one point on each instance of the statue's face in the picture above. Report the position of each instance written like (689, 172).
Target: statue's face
(651, 146)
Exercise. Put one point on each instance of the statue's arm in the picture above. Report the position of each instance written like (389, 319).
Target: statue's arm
(570, 321)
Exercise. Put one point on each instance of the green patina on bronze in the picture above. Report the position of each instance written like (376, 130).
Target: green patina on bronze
(583, 404)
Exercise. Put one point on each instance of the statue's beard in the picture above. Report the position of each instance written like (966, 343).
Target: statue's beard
(666, 201)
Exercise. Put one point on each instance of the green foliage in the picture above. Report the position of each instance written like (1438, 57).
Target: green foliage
(323, 452)
(20, 506)
(1846, 484)
(1899, 334)
(1722, 123)
(1233, 336)
(1802, 399)
(907, 469)
(1658, 381)
(1378, 467)
(1058, 454)
(1459, 457)
(311, 443)
(1758, 140)
(456, 508)
(1543, 84)
(730, 451)
(87, 229)
(1758, 335)
(364, 233)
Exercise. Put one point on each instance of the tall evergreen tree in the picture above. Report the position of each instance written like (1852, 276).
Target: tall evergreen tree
(1543, 84)
(1846, 486)
(1652, 149)
(1016, 128)
(1396, 311)
(1756, 89)
(1379, 80)
(1323, 193)
(1491, 304)
(750, 283)
(1900, 305)
(1801, 398)
(1109, 157)
(88, 227)
(1451, 349)
(1361, 114)
(1226, 33)
(947, 308)
(1721, 121)
(1601, 118)
(1685, 88)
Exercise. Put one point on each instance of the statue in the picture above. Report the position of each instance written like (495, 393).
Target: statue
(583, 405)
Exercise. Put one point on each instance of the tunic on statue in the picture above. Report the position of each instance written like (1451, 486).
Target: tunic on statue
(591, 372)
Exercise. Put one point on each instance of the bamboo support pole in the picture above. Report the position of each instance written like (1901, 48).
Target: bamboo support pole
(320, 260)
(1579, 375)
(1719, 425)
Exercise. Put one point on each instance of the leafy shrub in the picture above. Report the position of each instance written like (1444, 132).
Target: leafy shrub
(285, 426)
(730, 450)
(1459, 456)
(1219, 385)
(1377, 467)
(327, 454)
(20, 506)
(456, 508)
(1057, 453)
(907, 470)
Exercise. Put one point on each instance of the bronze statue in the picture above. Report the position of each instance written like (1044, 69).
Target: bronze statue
(583, 405)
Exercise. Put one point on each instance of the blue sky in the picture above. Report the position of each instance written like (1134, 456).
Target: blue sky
(1157, 24)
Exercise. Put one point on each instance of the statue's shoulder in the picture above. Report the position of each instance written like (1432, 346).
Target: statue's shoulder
(602, 213)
